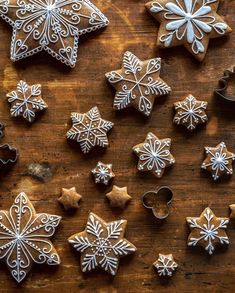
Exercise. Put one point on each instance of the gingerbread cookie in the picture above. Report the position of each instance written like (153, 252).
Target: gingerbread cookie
(232, 210)
(25, 237)
(190, 112)
(89, 129)
(165, 265)
(118, 197)
(137, 84)
(191, 23)
(101, 244)
(69, 198)
(208, 231)
(154, 155)
(52, 26)
(218, 161)
(26, 101)
(103, 173)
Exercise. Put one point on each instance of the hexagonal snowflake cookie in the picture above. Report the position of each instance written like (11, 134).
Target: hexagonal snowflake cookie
(165, 265)
(103, 173)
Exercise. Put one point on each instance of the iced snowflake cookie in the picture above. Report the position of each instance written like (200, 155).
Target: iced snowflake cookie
(69, 198)
(191, 23)
(219, 161)
(208, 231)
(101, 244)
(154, 155)
(118, 197)
(137, 84)
(89, 129)
(103, 173)
(190, 112)
(26, 101)
(52, 26)
(25, 237)
(165, 265)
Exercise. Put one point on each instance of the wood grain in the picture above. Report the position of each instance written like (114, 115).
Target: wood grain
(66, 90)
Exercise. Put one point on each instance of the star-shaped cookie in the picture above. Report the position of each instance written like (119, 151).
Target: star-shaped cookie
(208, 231)
(191, 23)
(137, 84)
(232, 210)
(69, 198)
(89, 129)
(103, 173)
(165, 265)
(26, 101)
(190, 112)
(118, 197)
(25, 237)
(154, 155)
(102, 244)
(218, 161)
(53, 26)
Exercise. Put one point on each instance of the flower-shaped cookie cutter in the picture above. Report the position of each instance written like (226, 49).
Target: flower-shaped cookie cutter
(8, 155)
(229, 75)
(2, 127)
(158, 201)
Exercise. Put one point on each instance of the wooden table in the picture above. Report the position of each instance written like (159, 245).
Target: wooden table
(66, 90)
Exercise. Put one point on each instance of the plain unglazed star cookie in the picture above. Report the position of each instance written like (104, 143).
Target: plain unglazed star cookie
(53, 26)
(208, 231)
(89, 129)
(26, 101)
(165, 265)
(191, 23)
(137, 84)
(154, 155)
(103, 173)
(102, 244)
(218, 161)
(69, 198)
(118, 197)
(25, 237)
(190, 112)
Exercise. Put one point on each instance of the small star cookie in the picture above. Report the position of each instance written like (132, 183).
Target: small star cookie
(208, 231)
(118, 197)
(190, 112)
(69, 198)
(26, 101)
(103, 173)
(165, 265)
(232, 209)
(191, 23)
(218, 161)
(137, 84)
(154, 155)
(89, 129)
(101, 244)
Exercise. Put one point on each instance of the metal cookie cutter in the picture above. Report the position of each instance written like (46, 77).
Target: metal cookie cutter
(158, 201)
(8, 155)
(2, 127)
(223, 85)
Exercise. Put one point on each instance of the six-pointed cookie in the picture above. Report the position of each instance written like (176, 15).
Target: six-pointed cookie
(218, 161)
(69, 198)
(118, 197)
(137, 84)
(208, 231)
(25, 237)
(89, 129)
(191, 23)
(26, 101)
(102, 244)
(154, 155)
(190, 112)
(165, 265)
(103, 173)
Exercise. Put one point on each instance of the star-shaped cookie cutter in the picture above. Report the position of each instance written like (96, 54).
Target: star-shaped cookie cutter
(8, 155)
(158, 201)
(223, 85)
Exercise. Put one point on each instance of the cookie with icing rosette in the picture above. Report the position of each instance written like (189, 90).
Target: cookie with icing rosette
(103, 173)
(165, 265)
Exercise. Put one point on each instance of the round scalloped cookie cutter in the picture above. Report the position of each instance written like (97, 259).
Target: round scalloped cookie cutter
(229, 75)
(159, 201)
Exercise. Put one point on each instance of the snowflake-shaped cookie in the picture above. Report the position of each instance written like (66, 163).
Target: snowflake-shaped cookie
(137, 83)
(25, 237)
(154, 155)
(219, 161)
(165, 265)
(190, 112)
(53, 26)
(208, 231)
(89, 129)
(102, 244)
(103, 173)
(26, 101)
(188, 22)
